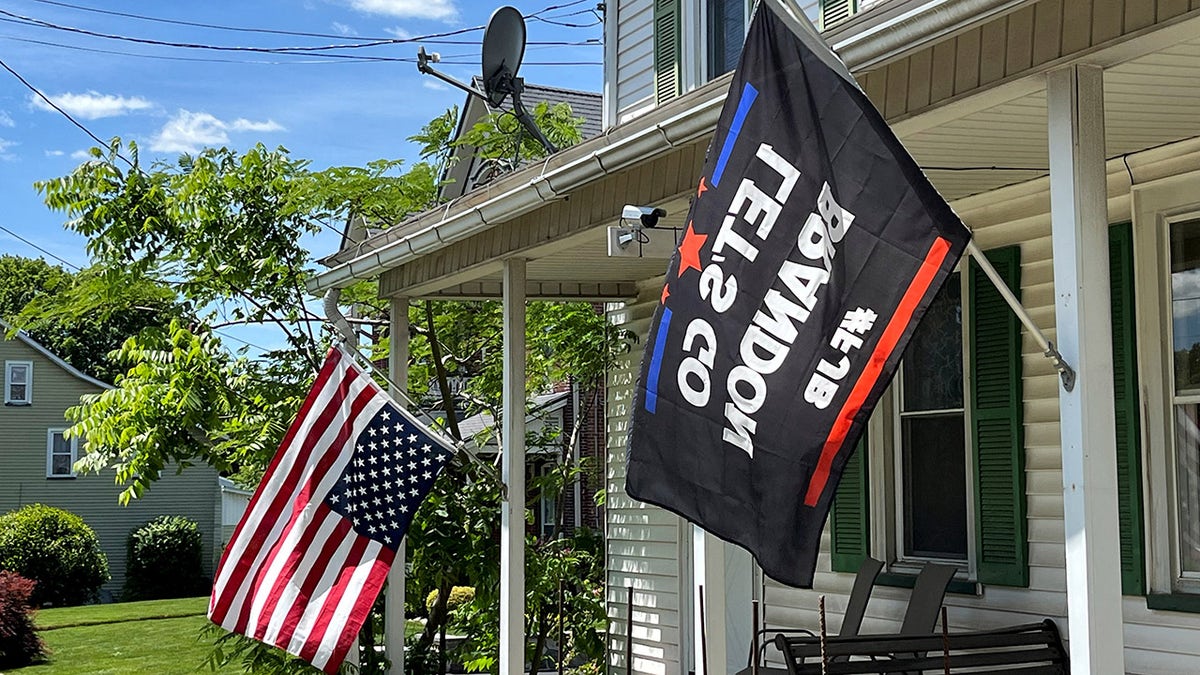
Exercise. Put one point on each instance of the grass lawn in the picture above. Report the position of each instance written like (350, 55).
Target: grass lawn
(160, 636)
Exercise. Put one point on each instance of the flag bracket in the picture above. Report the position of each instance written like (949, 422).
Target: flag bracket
(1065, 372)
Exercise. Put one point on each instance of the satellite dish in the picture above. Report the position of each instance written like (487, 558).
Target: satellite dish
(503, 49)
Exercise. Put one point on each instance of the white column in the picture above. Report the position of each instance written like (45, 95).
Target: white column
(1079, 214)
(726, 572)
(393, 607)
(512, 513)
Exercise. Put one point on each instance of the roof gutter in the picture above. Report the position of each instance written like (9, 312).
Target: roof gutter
(883, 33)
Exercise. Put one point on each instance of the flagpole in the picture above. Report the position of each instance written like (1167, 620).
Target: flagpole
(1065, 371)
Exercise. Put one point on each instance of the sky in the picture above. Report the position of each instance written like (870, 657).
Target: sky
(171, 100)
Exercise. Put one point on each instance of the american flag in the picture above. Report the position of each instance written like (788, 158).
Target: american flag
(314, 547)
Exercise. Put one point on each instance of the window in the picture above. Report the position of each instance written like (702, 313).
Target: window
(60, 454)
(1184, 313)
(725, 31)
(932, 457)
(18, 382)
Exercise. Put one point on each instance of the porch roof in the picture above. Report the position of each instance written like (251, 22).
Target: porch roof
(555, 214)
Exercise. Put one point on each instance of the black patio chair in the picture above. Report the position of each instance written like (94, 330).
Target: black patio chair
(856, 607)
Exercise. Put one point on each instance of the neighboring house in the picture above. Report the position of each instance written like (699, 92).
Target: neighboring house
(36, 462)
(549, 420)
(1002, 102)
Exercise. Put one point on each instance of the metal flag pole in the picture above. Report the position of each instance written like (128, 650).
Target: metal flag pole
(1065, 371)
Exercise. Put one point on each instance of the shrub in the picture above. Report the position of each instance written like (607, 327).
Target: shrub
(55, 549)
(459, 596)
(165, 560)
(19, 644)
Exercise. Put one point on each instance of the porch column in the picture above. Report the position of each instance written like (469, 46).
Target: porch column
(512, 512)
(393, 605)
(726, 572)
(1079, 216)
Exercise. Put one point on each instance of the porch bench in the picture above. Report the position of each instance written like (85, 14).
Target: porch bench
(1028, 649)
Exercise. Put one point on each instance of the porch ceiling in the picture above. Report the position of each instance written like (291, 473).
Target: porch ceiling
(1150, 100)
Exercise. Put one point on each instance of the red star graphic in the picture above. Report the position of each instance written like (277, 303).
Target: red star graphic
(665, 294)
(689, 250)
(702, 189)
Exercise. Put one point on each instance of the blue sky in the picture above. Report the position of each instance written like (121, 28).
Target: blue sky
(334, 112)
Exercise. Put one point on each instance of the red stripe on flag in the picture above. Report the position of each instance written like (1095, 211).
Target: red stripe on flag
(302, 500)
(328, 619)
(311, 577)
(883, 350)
(225, 594)
(289, 573)
(331, 362)
(362, 608)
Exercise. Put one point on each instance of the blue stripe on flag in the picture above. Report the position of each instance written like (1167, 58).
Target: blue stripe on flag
(660, 344)
(749, 93)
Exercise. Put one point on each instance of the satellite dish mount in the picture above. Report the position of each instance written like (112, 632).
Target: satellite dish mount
(503, 50)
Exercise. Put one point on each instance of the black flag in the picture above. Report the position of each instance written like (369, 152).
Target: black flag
(813, 247)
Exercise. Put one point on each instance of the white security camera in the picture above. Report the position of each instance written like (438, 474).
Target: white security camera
(646, 215)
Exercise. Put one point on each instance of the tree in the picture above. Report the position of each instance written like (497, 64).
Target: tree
(80, 317)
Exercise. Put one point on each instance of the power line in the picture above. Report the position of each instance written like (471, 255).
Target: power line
(18, 237)
(194, 59)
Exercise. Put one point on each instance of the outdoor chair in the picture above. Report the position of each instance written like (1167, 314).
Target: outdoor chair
(920, 617)
(856, 607)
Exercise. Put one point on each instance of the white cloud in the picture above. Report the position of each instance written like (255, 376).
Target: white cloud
(55, 153)
(190, 131)
(5, 144)
(243, 124)
(6, 120)
(93, 105)
(344, 29)
(81, 155)
(398, 32)
(434, 85)
(441, 10)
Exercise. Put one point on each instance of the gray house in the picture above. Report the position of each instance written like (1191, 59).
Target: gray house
(37, 462)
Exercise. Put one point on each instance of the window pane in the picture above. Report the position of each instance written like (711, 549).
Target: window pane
(1185, 305)
(18, 374)
(17, 392)
(726, 33)
(933, 373)
(61, 445)
(1187, 479)
(61, 465)
(935, 486)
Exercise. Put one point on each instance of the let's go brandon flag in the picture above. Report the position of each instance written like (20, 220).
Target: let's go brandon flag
(813, 247)
(308, 558)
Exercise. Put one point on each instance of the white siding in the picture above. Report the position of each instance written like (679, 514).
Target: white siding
(1155, 641)
(643, 541)
(635, 54)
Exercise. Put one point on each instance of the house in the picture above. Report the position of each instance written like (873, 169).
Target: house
(549, 421)
(1079, 505)
(37, 462)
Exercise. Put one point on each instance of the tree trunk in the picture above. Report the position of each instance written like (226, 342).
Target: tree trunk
(539, 646)
(437, 618)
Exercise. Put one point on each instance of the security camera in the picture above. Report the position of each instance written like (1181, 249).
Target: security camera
(646, 215)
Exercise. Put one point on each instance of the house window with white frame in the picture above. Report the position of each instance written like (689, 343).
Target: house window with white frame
(931, 457)
(61, 454)
(1184, 315)
(18, 382)
(726, 22)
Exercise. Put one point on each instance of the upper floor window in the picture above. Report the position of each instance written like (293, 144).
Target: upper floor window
(725, 31)
(18, 382)
(61, 454)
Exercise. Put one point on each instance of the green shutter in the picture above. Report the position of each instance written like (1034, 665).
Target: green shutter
(668, 70)
(1001, 540)
(1125, 393)
(849, 516)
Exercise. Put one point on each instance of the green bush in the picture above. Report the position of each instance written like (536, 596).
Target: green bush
(55, 549)
(164, 560)
(459, 596)
(19, 644)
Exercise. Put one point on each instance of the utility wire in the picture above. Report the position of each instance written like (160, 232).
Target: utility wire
(194, 59)
(18, 237)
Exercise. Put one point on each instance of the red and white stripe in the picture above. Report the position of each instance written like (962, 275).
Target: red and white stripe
(295, 575)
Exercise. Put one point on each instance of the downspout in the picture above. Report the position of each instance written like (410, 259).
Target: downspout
(335, 317)
(575, 422)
